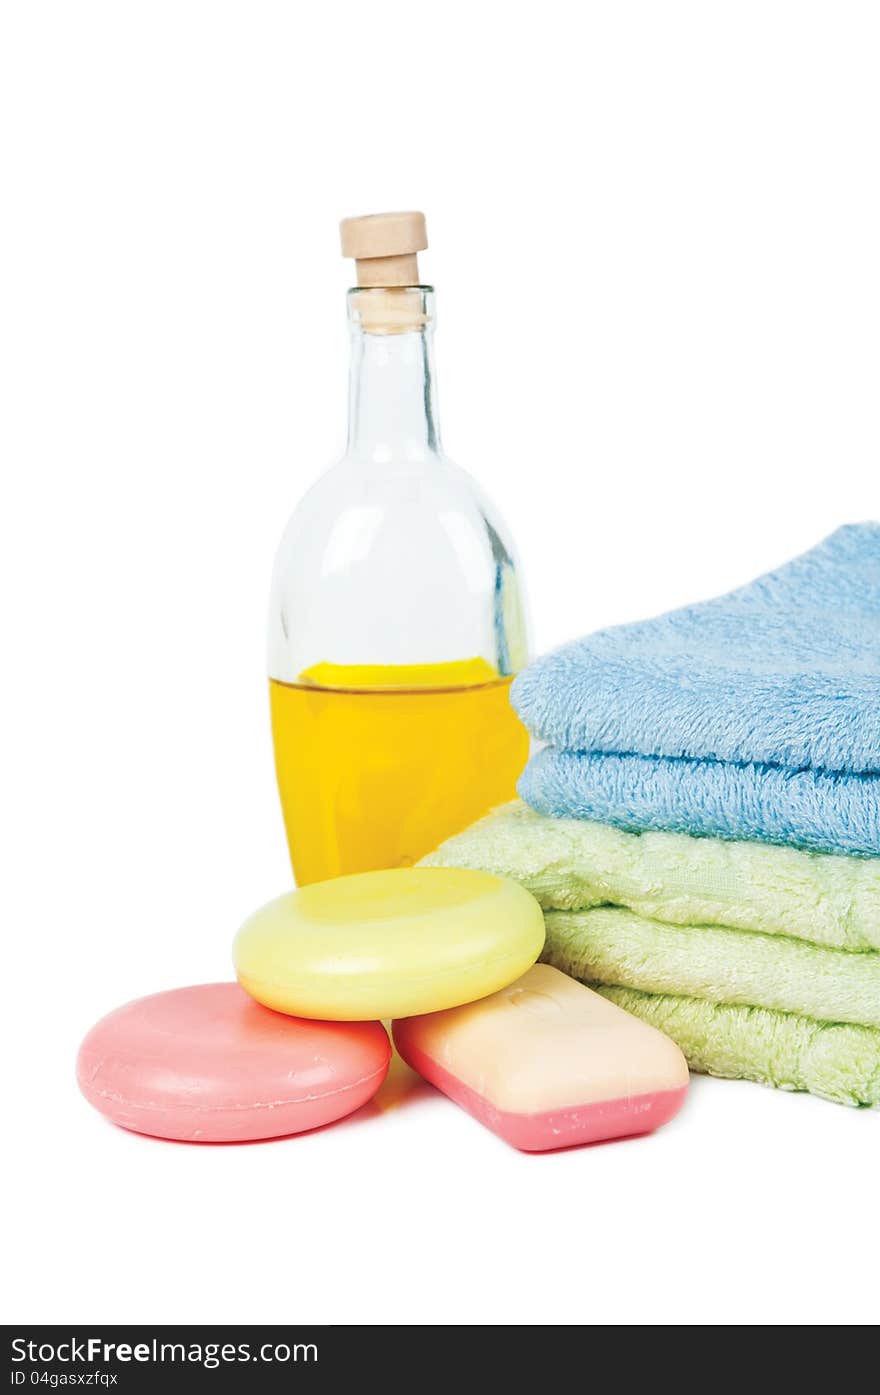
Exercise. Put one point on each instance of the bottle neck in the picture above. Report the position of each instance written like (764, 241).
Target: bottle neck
(392, 413)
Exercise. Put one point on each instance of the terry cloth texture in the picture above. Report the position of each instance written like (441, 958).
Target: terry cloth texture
(754, 715)
(816, 809)
(614, 946)
(764, 965)
(569, 865)
(838, 1063)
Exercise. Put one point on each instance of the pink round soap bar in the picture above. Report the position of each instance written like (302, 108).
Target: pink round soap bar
(209, 1065)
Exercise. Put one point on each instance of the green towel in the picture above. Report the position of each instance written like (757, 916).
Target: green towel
(570, 864)
(615, 946)
(838, 1063)
(751, 969)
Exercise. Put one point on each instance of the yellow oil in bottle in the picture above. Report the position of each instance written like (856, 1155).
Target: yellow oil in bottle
(378, 764)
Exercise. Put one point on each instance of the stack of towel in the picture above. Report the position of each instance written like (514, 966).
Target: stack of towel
(704, 826)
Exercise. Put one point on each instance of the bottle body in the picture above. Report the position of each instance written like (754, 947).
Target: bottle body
(396, 626)
(378, 777)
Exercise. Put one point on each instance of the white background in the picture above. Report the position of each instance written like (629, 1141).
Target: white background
(654, 232)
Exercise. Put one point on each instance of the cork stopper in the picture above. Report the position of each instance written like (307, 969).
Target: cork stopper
(384, 247)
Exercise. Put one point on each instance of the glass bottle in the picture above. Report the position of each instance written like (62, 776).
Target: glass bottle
(396, 622)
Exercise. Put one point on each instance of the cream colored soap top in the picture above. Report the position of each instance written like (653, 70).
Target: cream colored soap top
(548, 1042)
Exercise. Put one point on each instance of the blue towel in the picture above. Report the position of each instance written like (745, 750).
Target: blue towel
(755, 715)
(816, 809)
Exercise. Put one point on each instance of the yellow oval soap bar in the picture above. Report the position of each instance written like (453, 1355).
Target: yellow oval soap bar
(389, 944)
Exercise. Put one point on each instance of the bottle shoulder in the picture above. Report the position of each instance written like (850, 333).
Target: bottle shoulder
(399, 562)
(424, 479)
(359, 506)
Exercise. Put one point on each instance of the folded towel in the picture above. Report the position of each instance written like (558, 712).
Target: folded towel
(784, 671)
(816, 809)
(785, 989)
(755, 715)
(570, 864)
(837, 1063)
(617, 947)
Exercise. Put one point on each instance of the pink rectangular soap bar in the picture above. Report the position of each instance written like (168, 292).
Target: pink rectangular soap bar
(548, 1063)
